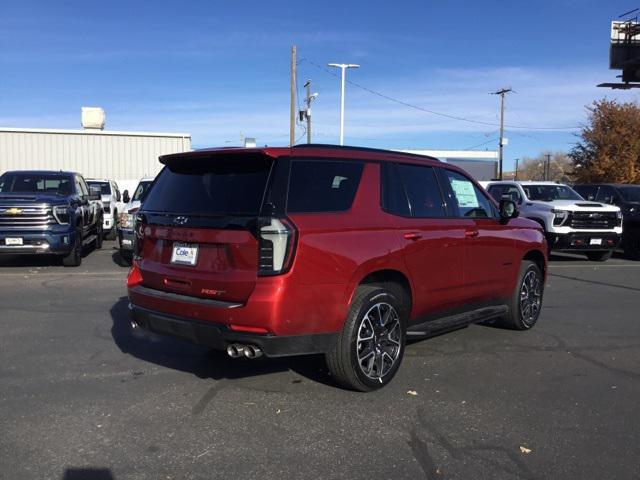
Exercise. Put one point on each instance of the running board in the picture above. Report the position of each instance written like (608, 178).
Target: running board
(453, 322)
(89, 239)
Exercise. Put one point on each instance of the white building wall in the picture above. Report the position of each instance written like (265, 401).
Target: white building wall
(115, 155)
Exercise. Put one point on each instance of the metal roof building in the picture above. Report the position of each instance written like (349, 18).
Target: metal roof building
(92, 152)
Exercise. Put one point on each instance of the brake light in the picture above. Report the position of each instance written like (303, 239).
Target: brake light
(276, 242)
(135, 276)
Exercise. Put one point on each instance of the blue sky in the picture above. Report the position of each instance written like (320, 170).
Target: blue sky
(220, 69)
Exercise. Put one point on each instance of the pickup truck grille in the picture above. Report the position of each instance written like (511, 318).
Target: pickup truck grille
(593, 220)
(25, 217)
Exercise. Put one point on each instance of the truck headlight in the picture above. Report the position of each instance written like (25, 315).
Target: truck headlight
(61, 214)
(559, 216)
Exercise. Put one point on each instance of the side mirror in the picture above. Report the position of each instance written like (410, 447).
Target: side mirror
(508, 210)
(125, 196)
(94, 193)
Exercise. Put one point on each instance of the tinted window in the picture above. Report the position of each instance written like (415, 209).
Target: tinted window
(606, 195)
(319, 186)
(470, 200)
(219, 186)
(498, 192)
(630, 193)
(549, 193)
(35, 183)
(394, 196)
(588, 192)
(423, 192)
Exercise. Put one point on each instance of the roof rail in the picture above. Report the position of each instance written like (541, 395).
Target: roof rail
(362, 149)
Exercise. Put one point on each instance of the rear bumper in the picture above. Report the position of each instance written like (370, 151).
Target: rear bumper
(37, 242)
(583, 241)
(219, 336)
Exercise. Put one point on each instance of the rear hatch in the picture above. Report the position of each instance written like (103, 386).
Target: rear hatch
(196, 232)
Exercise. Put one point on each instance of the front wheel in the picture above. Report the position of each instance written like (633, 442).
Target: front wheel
(599, 256)
(74, 258)
(526, 301)
(370, 347)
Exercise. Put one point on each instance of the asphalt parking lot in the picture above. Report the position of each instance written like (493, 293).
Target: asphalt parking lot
(83, 397)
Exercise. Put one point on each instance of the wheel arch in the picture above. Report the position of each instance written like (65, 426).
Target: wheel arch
(386, 276)
(537, 257)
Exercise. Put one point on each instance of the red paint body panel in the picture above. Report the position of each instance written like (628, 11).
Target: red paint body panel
(447, 262)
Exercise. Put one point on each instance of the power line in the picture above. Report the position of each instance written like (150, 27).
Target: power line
(433, 112)
(481, 144)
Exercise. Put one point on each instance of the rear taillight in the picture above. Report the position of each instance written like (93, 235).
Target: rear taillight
(276, 243)
(135, 276)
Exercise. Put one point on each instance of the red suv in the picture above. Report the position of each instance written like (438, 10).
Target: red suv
(343, 251)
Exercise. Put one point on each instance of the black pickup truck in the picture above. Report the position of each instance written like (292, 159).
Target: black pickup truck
(48, 212)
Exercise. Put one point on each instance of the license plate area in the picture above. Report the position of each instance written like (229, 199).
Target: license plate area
(13, 241)
(184, 253)
(595, 241)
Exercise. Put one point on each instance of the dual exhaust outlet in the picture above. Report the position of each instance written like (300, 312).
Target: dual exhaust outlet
(237, 350)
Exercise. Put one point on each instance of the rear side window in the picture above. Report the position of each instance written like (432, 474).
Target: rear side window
(323, 186)
(422, 190)
(216, 186)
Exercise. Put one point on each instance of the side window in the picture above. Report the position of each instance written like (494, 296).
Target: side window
(470, 200)
(422, 191)
(496, 191)
(605, 195)
(78, 186)
(394, 197)
(83, 186)
(323, 186)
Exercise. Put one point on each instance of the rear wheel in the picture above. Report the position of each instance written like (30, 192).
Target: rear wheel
(599, 256)
(526, 302)
(74, 258)
(99, 234)
(370, 347)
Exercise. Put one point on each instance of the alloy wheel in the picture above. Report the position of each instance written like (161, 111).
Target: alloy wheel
(530, 297)
(379, 340)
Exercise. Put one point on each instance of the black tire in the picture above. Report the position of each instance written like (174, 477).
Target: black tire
(531, 286)
(99, 234)
(599, 256)
(349, 361)
(74, 258)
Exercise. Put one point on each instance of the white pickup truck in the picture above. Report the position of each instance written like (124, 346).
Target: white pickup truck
(570, 222)
(111, 202)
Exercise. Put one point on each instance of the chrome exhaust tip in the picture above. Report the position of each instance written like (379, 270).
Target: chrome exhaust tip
(251, 351)
(235, 350)
(134, 325)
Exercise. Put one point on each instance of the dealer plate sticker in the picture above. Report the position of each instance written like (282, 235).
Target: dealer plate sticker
(595, 241)
(184, 253)
(13, 241)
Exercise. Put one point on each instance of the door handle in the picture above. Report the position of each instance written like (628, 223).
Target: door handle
(471, 233)
(412, 236)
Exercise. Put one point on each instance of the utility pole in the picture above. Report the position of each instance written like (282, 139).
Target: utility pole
(516, 176)
(502, 93)
(292, 118)
(547, 170)
(306, 114)
(343, 67)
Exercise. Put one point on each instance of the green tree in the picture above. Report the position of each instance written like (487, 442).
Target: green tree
(609, 146)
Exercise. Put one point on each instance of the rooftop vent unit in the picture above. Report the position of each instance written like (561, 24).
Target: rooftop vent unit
(93, 118)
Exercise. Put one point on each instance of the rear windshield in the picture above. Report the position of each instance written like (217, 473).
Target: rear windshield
(211, 187)
(103, 186)
(549, 193)
(36, 183)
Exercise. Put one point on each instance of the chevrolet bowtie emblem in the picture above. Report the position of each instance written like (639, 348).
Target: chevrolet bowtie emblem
(14, 211)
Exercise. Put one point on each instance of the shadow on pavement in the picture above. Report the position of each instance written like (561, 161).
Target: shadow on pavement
(119, 260)
(88, 473)
(39, 260)
(201, 361)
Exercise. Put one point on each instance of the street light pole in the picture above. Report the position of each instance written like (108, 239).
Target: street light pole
(343, 67)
